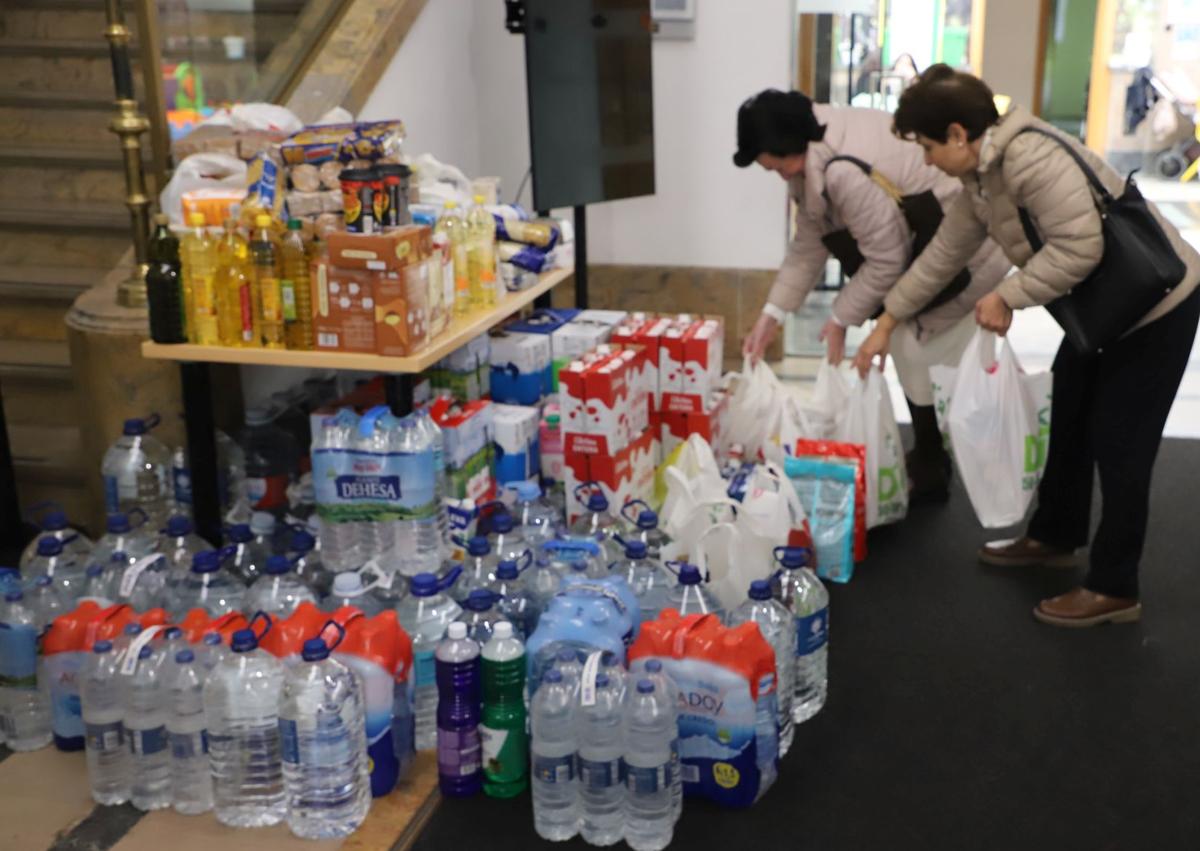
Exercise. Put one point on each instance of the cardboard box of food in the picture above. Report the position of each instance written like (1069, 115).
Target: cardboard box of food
(401, 315)
(516, 442)
(343, 308)
(390, 250)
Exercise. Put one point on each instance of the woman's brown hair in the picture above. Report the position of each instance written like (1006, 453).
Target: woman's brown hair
(941, 97)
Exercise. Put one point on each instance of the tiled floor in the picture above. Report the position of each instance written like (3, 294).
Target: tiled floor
(1035, 336)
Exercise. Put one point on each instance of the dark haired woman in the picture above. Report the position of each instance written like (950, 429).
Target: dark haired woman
(867, 198)
(1109, 408)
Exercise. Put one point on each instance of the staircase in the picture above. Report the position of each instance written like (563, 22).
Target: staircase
(63, 223)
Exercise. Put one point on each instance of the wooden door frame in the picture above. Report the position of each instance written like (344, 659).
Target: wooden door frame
(1100, 81)
(1039, 74)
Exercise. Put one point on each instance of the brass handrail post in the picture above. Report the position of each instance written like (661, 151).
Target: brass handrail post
(129, 125)
(150, 47)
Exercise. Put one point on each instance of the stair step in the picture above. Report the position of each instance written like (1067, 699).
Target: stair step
(52, 283)
(86, 48)
(53, 247)
(52, 128)
(48, 454)
(36, 358)
(61, 183)
(292, 7)
(42, 100)
(74, 216)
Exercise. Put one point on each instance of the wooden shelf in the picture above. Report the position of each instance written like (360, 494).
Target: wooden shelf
(460, 332)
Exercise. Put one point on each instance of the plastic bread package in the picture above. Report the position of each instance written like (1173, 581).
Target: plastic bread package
(369, 140)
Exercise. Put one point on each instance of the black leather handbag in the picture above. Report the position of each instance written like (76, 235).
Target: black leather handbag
(1137, 270)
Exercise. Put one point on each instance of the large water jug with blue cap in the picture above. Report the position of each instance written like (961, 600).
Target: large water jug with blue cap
(513, 599)
(137, 472)
(425, 613)
(596, 523)
(643, 523)
(52, 522)
(209, 586)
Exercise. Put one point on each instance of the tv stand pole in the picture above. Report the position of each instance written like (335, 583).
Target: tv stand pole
(581, 281)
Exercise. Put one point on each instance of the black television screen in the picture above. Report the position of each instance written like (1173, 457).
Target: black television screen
(591, 107)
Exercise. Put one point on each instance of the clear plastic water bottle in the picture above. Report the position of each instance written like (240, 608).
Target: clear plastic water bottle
(348, 590)
(778, 627)
(649, 729)
(167, 645)
(652, 670)
(480, 616)
(179, 542)
(552, 759)
(263, 528)
(425, 614)
(307, 563)
(612, 666)
(460, 755)
(477, 570)
(137, 472)
(502, 724)
(803, 594)
(542, 582)
(567, 663)
(95, 585)
(322, 728)
(506, 541)
(577, 558)
(601, 737)
(24, 695)
(209, 586)
(191, 782)
(144, 584)
(241, 710)
(103, 707)
(513, 600)
(648, 579)
(54, 524)
(596, 523)
(210, 653)
(68, 573)
(272, 458)
(537, 521)
(146, 727)
(418, 539)
(45, 601)
(437, 440)
(122, 535)
(690, 597)
(279, 591)
(643, 521)
(249, 558)
(341, 541)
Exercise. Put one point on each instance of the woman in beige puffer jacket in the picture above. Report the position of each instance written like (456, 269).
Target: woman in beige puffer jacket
(1109, 408)
(801, 141)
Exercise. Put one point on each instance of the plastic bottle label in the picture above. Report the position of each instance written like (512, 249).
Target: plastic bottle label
(287, 289)
(18, 657)
(105, 737)
(267, 493)
(189, 745)
(554, 769)
(505, 753)
(458, 752)
(812, 632)
(647, 780)
(352, 485)
(112, 501)
(602, 774)
(271, 296)
(424, 669)
(148, 742)
(247, 312)
(289, 741)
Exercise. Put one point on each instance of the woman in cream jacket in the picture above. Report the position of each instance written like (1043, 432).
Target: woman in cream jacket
(848, 174)
(1108, 408)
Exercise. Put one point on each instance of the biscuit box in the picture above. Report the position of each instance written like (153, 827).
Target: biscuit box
(343, 308)
(401, 314)
(392, 250)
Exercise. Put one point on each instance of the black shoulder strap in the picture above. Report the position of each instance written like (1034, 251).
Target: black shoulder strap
(1097, 184)
(1031, 234)
(863, 166)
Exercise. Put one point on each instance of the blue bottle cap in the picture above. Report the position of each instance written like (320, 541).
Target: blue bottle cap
(527, 491)
(185, 657)
(552, 676)
(13, 596)
(760, 589)
(608, 659)
(133, 628)
(793, 557)
(239, 533)
(243, 640)
(212, 639)
(302, 541)
(206, 561)
(314, 650)
(478, 546)
(566, 654)
(653, 666)
(179, 525)
(597, 502)
(118, 523)
(49, 546)
(54, 521)
(507, 569)
(94, 570)
(479, 600)
(145, 653)
(134, 427)
(601, 680)
(424, 585)
(635, 549)
(102, 647)
(502, 523)
(43, 581)
(645, 687)
(689, 574)
(119, 557)
(647, 519)
(277, 565)
(172, 633)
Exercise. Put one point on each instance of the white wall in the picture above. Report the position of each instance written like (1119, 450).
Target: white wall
(1010, 49)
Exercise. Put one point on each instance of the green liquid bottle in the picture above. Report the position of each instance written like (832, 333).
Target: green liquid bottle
(502, 724)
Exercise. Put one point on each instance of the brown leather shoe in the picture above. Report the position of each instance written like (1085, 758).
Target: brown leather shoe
(1026, 552)
(1081, 607)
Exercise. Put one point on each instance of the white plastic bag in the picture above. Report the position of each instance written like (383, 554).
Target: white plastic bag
(200, 171)
(869, 420)
(941, 379)
(755, 409)
(769, 512)
(999, 422)
(264, 117)
(825, 408)
(696, 496)
(718, 555)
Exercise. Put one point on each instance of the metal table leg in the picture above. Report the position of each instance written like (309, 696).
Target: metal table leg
(581, 281)
(398, 390)
(13, 534)
(202, 450)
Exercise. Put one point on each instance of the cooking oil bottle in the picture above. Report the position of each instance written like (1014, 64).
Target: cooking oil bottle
(297, 298)
(481, 228)
(264, 258)
(452, 224)
(237, 309)
(198, 254)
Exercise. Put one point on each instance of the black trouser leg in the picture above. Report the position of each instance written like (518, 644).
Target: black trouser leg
(928, 464)
(1136, 385)
(1064, 505)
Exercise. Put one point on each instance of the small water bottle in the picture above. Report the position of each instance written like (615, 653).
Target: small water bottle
(513, 601)
(596, 523)
(241, 711)
(425, 614)
(601, 737)
(502, 727)
(249, 558)
(210, 653)
(644, 523)
(689, 596)
(649, 729)
(653, 670)
(146, 727)
(322, 726)
(804, 595)
(477, 568)
(566, 662)
(348, 590)
(54, 524)
(537, 521)
(460, 765)
(24, 696)
(102, 703)
(480, 615)
(778, 627)
(552, 759)
(648, 579)
(278, 591)
(209, 587)
(191, 782)
(612, 667)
